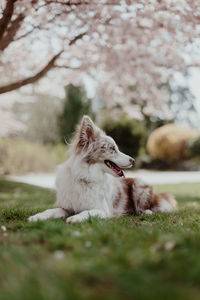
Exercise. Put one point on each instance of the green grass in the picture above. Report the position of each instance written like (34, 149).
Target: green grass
(145, 257)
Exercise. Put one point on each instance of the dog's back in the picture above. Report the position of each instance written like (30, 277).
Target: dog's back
(133, 196)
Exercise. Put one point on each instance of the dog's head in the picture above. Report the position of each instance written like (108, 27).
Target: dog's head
(94, 146)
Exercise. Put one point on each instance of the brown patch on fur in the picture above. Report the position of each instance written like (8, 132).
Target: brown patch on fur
(165, 196)
(129, 190)
(117, 199)
(145, 197)
(85, 134)
(155, 201)
(145, 186)
(140, 197)
(93, 155)
(89, 160)
(169, 198)
(84, 181)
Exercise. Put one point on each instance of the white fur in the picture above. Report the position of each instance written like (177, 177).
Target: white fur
(148, 212)
(82, 187)
(84, 215)
(53, 213)
(165, 206)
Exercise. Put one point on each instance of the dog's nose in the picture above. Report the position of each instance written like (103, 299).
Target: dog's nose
(131, 160)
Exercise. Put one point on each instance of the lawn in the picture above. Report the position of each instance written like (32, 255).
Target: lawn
(144, 257)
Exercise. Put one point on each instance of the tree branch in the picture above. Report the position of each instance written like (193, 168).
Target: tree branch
(7, 15)
(77, 3)
(25, 34)
(32, 79)
(11, 32)
(78, 37)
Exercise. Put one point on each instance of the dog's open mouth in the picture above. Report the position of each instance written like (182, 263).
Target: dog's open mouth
(110, 164)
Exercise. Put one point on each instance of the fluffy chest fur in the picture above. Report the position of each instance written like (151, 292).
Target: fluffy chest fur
(82, 187)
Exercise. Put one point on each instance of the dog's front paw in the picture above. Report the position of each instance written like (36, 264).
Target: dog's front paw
(33, 219)
(74, 219)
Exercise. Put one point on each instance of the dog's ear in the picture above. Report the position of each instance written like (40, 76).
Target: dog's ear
(87, 133)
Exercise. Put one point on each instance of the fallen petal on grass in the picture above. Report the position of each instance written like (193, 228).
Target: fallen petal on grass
(170, 245)
(88, 244)
(77, 233)
(3, 228)
(59, 254)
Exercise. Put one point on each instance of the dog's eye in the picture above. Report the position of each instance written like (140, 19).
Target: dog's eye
(103, 148)
(113, 148)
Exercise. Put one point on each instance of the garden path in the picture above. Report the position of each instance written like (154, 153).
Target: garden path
(151, 177)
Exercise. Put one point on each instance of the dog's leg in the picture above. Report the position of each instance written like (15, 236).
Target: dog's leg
(86, 214)
(53, 213)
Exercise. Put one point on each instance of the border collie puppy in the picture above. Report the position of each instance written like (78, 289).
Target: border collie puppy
(92, 182)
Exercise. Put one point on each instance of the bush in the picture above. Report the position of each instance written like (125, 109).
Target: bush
(169, 142)
(129, 134)
(20, 156)
(194, 147)
(75, 106)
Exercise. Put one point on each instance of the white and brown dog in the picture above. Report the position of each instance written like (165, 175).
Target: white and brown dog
(92, 182)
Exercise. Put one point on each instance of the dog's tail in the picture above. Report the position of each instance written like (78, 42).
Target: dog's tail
(164, 202)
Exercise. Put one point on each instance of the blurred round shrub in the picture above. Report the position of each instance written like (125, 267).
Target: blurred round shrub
(169, 142)
(194, 147)
(129, 134)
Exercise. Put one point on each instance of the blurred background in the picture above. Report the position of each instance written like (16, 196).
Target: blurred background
(133, 66)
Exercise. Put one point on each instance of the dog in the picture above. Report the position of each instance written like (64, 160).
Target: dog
(92, 183)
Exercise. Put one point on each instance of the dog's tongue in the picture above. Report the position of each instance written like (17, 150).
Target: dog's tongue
(121, 173)
(118, 170)
(115, 168)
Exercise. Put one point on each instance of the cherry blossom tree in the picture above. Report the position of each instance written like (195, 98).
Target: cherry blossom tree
(130, 48)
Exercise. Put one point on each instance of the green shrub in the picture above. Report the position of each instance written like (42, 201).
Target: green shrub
(130, 135)
(194, 147)
(21, 156)
(76, 105)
